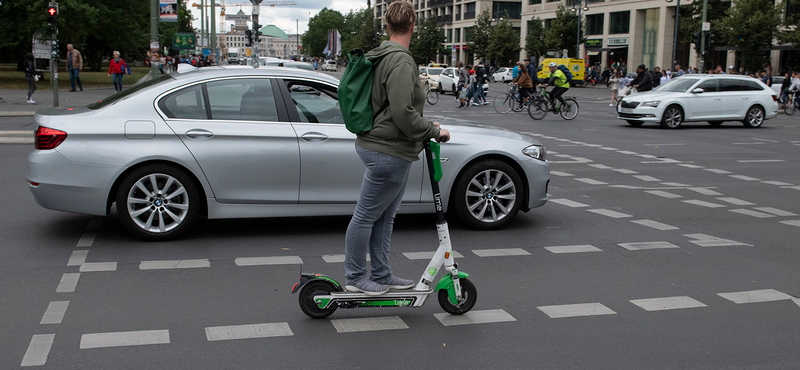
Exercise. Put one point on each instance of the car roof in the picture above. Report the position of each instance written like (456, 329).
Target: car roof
(246, 70)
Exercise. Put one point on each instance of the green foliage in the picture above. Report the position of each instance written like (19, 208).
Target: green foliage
(316, 38)
(481, 35)
(535, 44)
(427, 40)
(563, 31)
(749, 26)
(358, 31)
(692, 19)
(790, 35)
(504, 43)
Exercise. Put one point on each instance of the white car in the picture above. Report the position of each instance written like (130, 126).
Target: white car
(330, 65)
(503, 75)
(430, 75)
(448, 81)
(698, 97)
(777, 82)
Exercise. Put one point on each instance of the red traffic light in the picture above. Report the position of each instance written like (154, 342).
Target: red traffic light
(52, 11)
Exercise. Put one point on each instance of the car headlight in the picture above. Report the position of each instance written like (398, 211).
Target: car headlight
(536, 152)
(652, 103)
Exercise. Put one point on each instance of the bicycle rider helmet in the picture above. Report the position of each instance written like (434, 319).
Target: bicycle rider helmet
(553, 64)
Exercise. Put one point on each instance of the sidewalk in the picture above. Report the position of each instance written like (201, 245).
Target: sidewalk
(13, 104)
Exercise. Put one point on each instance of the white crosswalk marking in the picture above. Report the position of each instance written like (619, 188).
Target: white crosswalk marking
(559, 173)
(576, 310)
(77, 258)
(68, 282)
(568, 203)
(573, 249)
(775, 211)
(717, 171)
(500, 252)
(704, 240)
(705, 191)
(55, 312)
(86, 240)
(622, 170)
(609, 213)
(646, 178)
(655, 224)
(791, 222)
(755, 296)
(647, 245)
(664, 194)
(125, 338)
(263, 261)
(745, 178)
(599, 166)
(667, 303)
(750, 212)
(427, 255)
(250, 331)
(736, 201)
(98, 266)
(676, 184)
(174, 264)
(704, 203)
(688, 165)
(474, 317)
(336, 258)
(777, 183)
(591, 181)
(38, 350)
(369, 324)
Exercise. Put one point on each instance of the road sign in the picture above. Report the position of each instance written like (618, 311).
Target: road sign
(237, 17)
(184, 41)
(42, 44)
(706, 26)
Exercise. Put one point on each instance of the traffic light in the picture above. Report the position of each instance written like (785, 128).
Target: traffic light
(52, 16)
(248, 38)
(696, 40)
(709, 39)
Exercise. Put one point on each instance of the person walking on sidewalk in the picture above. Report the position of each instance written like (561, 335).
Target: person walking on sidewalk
(74, 67)
(387, 151)
(613, 85)
(117, 67)
(30, 75)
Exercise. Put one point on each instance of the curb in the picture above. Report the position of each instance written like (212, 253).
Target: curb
(17, 114)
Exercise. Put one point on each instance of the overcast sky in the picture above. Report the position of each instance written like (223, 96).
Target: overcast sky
(284, 17)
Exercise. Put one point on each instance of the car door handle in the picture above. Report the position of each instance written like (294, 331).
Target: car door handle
(314, 137)
(198, 133)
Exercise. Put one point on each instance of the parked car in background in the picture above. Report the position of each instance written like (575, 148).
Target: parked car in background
(448, 81)
(777, 81)
(330, 65)
(503, 75)
(700, 97)
(238, 142)
(430, 76)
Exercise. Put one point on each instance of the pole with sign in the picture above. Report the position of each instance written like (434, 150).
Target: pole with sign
(255, 34)
(52, 13)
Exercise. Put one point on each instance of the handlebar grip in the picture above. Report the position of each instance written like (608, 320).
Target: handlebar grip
(443, 139)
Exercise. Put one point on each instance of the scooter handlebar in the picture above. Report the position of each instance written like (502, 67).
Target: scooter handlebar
(443, 139)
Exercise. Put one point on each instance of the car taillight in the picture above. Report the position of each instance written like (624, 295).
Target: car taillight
(48, 138)
(774, 97)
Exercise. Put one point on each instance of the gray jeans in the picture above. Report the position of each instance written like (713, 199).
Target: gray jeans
(373, 220)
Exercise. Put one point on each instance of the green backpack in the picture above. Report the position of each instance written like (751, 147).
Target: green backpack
(355, 93)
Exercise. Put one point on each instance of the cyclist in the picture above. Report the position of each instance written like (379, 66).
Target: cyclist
(524, 82)
(643, 80)
(559, 79)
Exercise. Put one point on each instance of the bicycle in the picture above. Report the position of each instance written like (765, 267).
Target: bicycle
(511, 100)
(792, 103)
(431, 96)
(540, 104)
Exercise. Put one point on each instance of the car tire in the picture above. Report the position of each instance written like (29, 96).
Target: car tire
(157, 202)
(672, 117)
(715, 123)
(754, 117)
(634, 123)
(495, 202)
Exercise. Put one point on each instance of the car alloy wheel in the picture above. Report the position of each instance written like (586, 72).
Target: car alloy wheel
(673, 117)
(755, 117)
(488, 195)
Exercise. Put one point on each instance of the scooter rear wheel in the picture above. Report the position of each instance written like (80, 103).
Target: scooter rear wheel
(307, 295)
(469, 295)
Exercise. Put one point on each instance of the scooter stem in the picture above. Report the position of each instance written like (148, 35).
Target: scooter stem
(437, 196)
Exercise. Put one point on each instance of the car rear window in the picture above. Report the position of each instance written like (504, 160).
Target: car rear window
(129, 91)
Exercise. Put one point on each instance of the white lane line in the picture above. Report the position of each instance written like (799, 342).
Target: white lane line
(591, 181)
(474, 317)
(55, 312)
(647, 245)
(687, 165)
(736, 201)
(124, 338)
(756, 143)
(664, 194)
(337, 258)
(667, 303)
(500, 252)
(626, 187)
(77, 258)
(94, 224)
(646, 178)
(704, 240)
(655, 224)
(86, 240)
(675, 184)
(609, 213)
(750, 212)
(745, 178)
(718, 171)
(98, 266)
(263, 261)
(576, 310)
(369, 324)
(668, 144)
(705, 191)
(628, 152)
(250, 331)
(760, 160)
(796, 301)
(38, 350)
(767, 140)
(68, 282)
(174, 264)
(648, 156)
(16, 132)
(791, 187)
(607, 148)
(622, 170)
(568, 203)
(426, 255)
(559, 173)
(755, 296)
(775, 211)
(704, 203)
(791, 223)
(16, 140)
(777, 183)
(573, 249)
(662, 161)
(599, 166)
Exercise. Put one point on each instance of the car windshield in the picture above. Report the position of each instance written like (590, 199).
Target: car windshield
(133, 89)
(435, 71)
(677, 84)
(501, 70)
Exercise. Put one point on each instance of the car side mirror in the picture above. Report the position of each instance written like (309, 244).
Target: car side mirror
(697, 91)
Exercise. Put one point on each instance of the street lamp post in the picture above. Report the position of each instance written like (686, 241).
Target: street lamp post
(585, 8)
(675, 37)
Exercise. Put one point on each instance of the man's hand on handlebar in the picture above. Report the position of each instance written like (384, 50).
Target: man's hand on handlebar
(444, 136)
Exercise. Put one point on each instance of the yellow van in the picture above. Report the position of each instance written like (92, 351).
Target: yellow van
(576, 66)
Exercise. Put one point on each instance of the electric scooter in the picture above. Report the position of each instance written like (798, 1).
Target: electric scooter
(321, 295)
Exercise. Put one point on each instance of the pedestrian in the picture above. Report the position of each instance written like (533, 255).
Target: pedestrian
(31, 76)
(678, 71)
(643, 80)
(463, 78)
(605, 76)
(161, 62)
(117, 67)
(532, 72)
(731, 70)
(613, 85)
(74, 66)
(387, 152)
(768, 70)
(719, 70)
(656, 75)
(480, 75)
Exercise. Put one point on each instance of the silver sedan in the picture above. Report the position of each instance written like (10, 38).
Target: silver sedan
(239, 142)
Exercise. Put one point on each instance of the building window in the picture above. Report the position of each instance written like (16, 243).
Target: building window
(457, 35)
(450, 35)
(468, 34)
(620, 22)
(506, 8)
(553, 1)
(469, 11)
(534, 2)
(594, 24)
(548, 23)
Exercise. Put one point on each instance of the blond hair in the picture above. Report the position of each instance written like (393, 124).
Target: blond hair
(116, 53)
(400, 17)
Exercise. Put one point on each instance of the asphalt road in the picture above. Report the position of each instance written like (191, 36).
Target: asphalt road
(657, 250)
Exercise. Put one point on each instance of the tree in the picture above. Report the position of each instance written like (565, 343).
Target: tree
(316, 37)
(791, 34)
(504, 44)
(480, 35)
(535, 44)
(691, 22)
(749, 26)
(427, 40)
(563, 31)
(358, 31)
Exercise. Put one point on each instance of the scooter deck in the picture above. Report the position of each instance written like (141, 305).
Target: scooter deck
(393, 298)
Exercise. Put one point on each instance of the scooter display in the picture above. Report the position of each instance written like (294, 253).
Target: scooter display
(321, 295)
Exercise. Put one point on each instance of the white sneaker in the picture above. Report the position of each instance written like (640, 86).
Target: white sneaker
(31, 101)
(611, 105)
(475, 104)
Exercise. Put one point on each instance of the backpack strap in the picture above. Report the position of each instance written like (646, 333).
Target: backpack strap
(383, 108)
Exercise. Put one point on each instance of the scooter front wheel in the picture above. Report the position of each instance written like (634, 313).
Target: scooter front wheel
(307, 303)
(469, 295)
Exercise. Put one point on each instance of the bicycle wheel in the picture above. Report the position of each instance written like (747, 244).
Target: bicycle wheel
(503, 103)
(790, 106)
(569, 110)
(518, 106)
(432, 97)
(537, 109)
